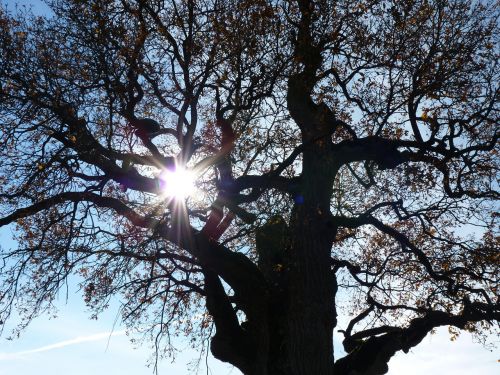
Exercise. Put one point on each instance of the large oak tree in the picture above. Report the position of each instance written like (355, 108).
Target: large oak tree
(345, 156)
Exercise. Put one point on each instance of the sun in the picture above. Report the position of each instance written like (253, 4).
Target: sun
(177, 183)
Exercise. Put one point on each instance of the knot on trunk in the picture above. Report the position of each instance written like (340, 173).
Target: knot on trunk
(272, 240)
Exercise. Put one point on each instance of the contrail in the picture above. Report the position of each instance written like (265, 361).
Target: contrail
(61, 344)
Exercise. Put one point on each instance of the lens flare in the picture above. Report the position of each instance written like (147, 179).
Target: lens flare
(177, 183)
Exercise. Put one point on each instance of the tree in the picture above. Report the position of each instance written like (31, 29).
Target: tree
(345, 156)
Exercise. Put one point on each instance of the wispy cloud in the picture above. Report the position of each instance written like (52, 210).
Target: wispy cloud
(61, 344)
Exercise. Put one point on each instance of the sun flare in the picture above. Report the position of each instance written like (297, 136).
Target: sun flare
(177, 183)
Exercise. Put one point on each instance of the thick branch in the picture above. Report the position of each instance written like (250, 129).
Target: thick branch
(372, 355)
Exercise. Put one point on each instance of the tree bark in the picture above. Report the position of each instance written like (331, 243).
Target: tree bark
(311, 282)
(311, 315)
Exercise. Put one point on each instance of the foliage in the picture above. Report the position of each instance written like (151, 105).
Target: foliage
(346, 163)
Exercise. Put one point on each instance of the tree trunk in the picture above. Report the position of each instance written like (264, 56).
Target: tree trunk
(312, 285)
(301, 297)
(291, 333)
(295, 263)
(311, 315)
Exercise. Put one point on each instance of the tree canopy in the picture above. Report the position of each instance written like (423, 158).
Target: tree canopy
(343, 156)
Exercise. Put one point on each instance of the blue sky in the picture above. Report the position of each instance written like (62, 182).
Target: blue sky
(74, 344)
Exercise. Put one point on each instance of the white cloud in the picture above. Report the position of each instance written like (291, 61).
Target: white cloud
(61, 344)
(436, 354)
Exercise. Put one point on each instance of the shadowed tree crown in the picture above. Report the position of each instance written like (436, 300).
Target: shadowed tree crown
(260, 173)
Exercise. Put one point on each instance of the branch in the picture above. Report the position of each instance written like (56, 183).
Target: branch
(371, 356)
(230, 343)
(235, 268)
(382, 151)
(104, 202)
(404, 241)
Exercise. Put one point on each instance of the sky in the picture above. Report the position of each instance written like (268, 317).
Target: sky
(74, 344)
